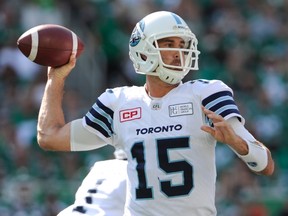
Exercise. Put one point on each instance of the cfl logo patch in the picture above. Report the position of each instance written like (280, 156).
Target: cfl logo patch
(130, 114)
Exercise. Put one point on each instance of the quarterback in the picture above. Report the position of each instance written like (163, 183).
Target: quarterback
(167, 128)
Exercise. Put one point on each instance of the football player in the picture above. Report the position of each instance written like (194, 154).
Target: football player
(167, 128)
(103, 190)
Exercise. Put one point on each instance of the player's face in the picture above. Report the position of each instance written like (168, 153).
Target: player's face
(170, 57)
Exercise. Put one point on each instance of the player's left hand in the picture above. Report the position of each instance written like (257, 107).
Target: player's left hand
(222, 130)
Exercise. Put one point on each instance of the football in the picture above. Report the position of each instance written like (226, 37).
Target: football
(50, 44)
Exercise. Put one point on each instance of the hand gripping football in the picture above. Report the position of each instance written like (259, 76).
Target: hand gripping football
(50, 44)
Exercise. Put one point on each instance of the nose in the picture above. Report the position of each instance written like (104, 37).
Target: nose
(176, 54)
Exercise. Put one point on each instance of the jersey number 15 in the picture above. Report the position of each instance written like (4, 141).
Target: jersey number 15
(163, 147)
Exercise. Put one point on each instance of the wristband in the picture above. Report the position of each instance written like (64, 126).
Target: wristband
(257, 158)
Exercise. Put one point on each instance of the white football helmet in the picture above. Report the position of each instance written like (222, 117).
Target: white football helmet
(145, 52)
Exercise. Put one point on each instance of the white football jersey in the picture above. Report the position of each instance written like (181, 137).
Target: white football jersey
(171, 161)
(102, 192)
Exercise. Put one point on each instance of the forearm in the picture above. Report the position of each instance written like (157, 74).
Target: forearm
(51, 114)
(52, 132)
(234, 134)
(239, 145)
(251, 151)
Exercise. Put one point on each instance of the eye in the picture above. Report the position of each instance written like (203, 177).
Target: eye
(175, 45)
(182, 45)
(170, 45)
(166, 45)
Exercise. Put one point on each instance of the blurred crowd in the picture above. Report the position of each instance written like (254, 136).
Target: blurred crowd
(242, 42)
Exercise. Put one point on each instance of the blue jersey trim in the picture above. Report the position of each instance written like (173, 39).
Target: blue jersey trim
(100, 118)
(222, 103)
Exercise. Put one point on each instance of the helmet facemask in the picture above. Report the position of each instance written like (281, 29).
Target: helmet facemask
(188, 60)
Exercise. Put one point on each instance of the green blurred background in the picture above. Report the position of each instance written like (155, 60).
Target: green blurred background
(242, 42)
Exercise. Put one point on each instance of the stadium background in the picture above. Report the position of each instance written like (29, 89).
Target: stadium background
(242, 42)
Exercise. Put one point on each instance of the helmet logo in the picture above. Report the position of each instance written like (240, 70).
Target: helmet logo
(136, 35)
(135, 38)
